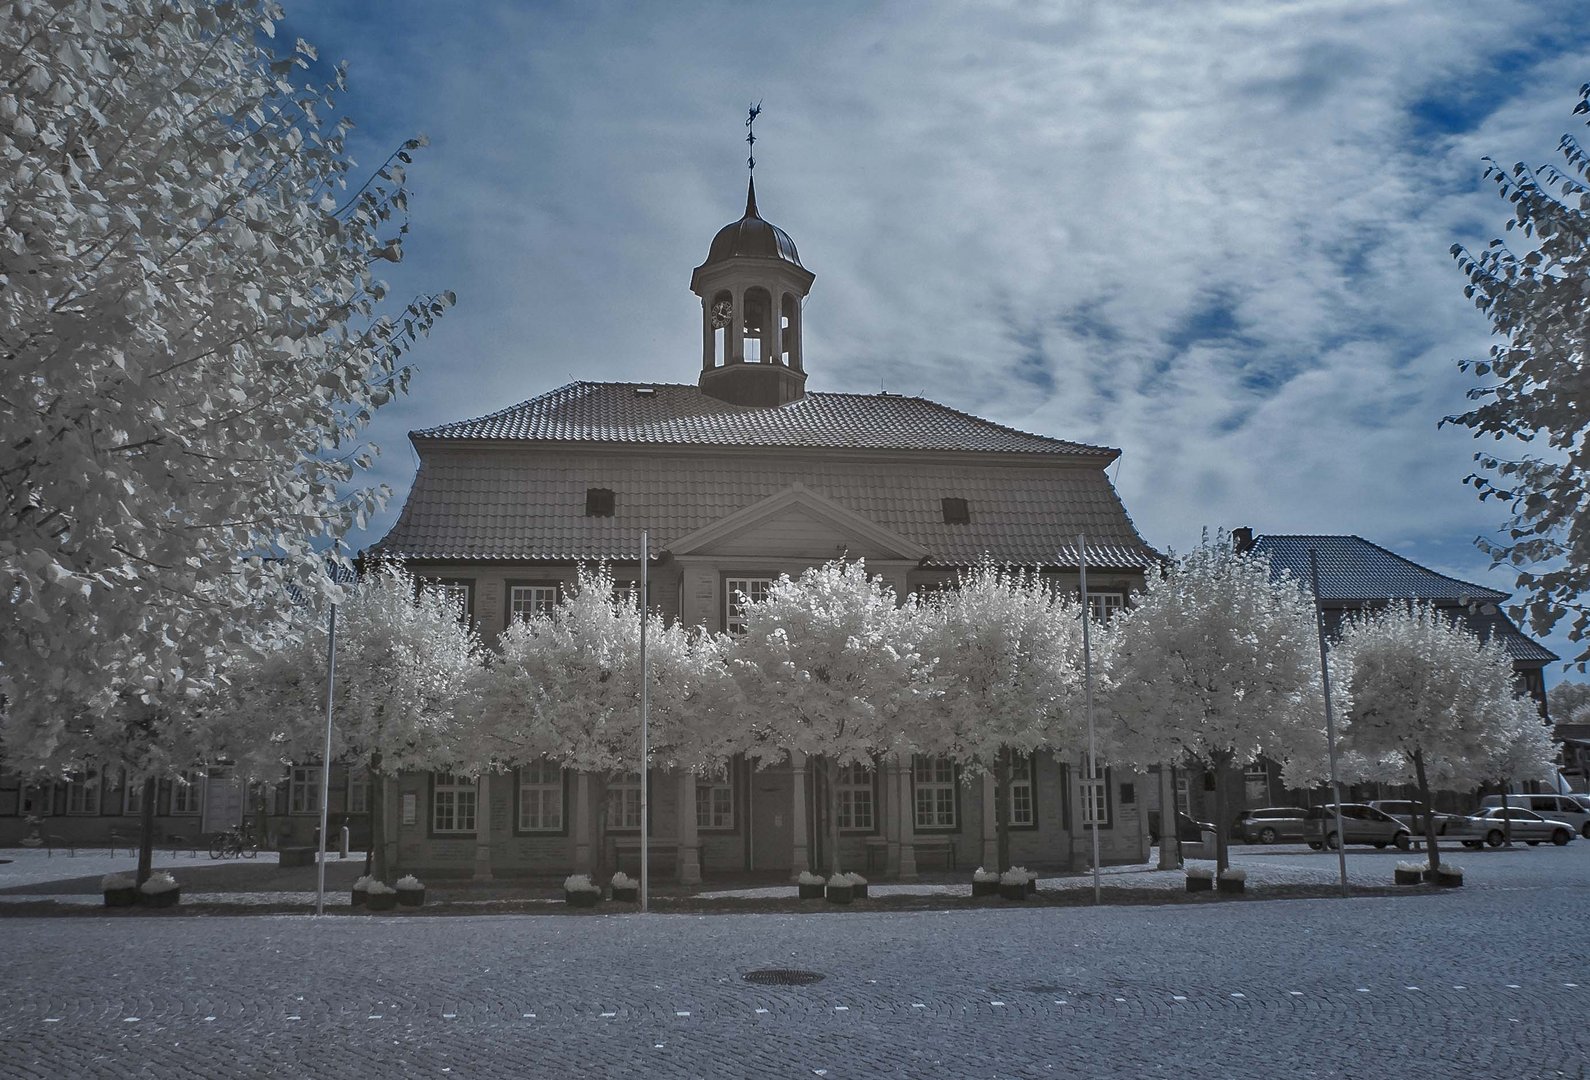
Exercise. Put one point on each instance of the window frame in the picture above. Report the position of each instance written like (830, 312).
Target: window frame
(521, 783)
(952, 785)
(1086, 783)
(846, 783)
(448, 586)
(456, 787)
(132, 795)
(188, 784)
(706, 789)
(728, 606)
(91, 788)
(1031, 784)
(623, 784)
(508, 616)
(1105, 604)
(295, 785)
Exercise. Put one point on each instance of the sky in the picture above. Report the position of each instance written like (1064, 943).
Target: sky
(1214, 235)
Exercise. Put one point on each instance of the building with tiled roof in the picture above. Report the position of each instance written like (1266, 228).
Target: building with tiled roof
(737, 478)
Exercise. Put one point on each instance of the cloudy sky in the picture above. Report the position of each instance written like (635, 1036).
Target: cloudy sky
(1212, 234)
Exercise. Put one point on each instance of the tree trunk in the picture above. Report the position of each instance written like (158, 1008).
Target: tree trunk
(599, 867)
(1221, 763)
(376, 858)
(146, 832)
(1507, 802)
(830, 812)
(1002, 809)
(1429, 814)
(1169, 827)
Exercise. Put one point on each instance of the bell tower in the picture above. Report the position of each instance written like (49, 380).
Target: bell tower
(751, 288)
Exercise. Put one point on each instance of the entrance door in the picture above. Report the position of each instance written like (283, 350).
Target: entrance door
(223, 803)
(772, 836)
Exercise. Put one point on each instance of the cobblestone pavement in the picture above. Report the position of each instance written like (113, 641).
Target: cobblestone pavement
(1480, 982)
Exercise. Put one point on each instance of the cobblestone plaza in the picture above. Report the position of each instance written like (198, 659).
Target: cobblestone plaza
(1490, 980)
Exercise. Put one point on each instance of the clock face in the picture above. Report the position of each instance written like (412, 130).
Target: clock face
(722, 314)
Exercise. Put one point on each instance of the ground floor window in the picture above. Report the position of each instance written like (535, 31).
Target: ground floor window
(186, 792)
(933, 780)
(715, 804)
(737, 592)
(132, 794)
(528, 601)
(853, 793)
(1183, 793)
(358, 791)
(303, 790)
(454, 801)
(541, 797)
(623, 801)
(83, 793)
(1095, 794)
(1023, 810)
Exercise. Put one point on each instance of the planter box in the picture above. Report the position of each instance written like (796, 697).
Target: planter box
(630, 895)
(169, 898)
(841, 894)
(1449, 881)
(985, 888)
(1409, 877)
(1032, 886)
(811, 892)
(581, 897)
(859, 891)
(1017, 891)
(1200, 884)
(127, 897)
(411, 897)
(360, 898)
(1226, 885)
(381, 901)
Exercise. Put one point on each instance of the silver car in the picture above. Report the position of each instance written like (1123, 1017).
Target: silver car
(1491, 825)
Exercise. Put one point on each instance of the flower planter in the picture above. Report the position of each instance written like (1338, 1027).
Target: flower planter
(1032, 886)
(583, 898)
(1448, 881)
(1409, 877)
(626, 894)
(127, 897)
(360, 898)
(1200, 884)
(811, 892)
(169, 898)
(841, 894)
(1229, 885)
(1016, 891)
(985, 888)
(381, 901)
(411, 897)
(859, 891)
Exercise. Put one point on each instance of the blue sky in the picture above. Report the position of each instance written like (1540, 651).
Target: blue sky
(1211, 234)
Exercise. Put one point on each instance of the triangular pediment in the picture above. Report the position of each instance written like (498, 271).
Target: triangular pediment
(798, 523)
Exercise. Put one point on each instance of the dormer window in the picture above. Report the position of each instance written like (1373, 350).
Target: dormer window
(598, 502)
(956, 512)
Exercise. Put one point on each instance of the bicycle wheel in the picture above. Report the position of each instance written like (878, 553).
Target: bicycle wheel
(249, 850)
(218, 848)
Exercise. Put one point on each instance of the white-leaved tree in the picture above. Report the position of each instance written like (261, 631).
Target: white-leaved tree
(407, 683)
(833, 665)
(191, 340)
(1215, 663)
(1007, 665)
(1537, 297)
(565, 685)
(1521, 748)
(1426, 690)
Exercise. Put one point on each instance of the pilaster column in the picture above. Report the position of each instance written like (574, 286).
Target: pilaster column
(991, 824)
(582, 823)
(902, 785)
(689, 840)
(1169, 827)
(483, 828)
(801, 857)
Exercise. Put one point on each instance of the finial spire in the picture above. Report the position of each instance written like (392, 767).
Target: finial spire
(750, 135)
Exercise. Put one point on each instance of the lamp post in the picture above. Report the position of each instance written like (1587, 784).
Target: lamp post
(1087, 681)
(1330, 717)
(645, 749)
(325, 758)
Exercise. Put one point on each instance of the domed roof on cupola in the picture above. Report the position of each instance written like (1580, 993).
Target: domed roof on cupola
(751, 236)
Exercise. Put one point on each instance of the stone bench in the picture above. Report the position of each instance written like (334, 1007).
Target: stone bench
(878, 850)
(628, 848)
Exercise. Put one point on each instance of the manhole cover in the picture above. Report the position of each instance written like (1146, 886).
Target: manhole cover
(782, 977)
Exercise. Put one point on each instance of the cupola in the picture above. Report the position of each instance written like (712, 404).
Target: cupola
(751, 288)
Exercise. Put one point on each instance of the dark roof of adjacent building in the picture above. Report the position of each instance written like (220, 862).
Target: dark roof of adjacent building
(528, 503)
(681, 415)
(1357, 574)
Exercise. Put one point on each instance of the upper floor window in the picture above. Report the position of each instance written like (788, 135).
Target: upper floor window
(599, 502)
(737, 593)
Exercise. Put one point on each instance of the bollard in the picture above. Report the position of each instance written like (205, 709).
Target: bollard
(342, 851)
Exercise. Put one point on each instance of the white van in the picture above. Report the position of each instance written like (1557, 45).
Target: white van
(1554, 807)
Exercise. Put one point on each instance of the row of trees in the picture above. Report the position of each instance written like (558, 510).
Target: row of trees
(1215, 664)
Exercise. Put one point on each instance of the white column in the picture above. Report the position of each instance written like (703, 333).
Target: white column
(1169, 830)
(801, 857)
(483, 828)
(734, 338)
(991, 824)
(582, 823)
(902, 784)
(689, 839)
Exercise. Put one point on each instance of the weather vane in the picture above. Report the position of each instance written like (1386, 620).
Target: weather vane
(750, 134)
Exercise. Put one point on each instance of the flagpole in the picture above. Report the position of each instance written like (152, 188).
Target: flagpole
(1087, 679)
(645, 749)
(1330, 722)
(325, 758)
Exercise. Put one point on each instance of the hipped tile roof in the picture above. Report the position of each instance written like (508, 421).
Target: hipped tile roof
(680, 415)
(1354, 572)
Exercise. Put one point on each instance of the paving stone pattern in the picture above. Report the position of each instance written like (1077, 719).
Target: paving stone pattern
(1481, 982)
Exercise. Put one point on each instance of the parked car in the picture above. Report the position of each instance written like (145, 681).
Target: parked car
(1361, 823)
(1270, 824)
(1490, 826)
(1188, 831)
(1557, 807)
(1411, 814)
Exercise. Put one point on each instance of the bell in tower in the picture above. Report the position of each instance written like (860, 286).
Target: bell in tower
(751, 288)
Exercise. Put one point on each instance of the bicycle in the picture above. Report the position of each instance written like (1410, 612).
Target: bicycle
(234, 843)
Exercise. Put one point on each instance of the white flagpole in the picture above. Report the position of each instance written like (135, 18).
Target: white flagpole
(325, 758)
(645, 749)
(1330, 722)
(1087, 679)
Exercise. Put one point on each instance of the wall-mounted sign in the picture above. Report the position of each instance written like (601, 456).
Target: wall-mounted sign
(411, 808)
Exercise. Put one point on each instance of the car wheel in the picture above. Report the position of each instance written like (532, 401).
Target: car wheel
(1315, 844)
(1494, 838)
(1403, 841)
(1332, 841)
(1266, 836)
(1584, 830)
(1560, 837)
